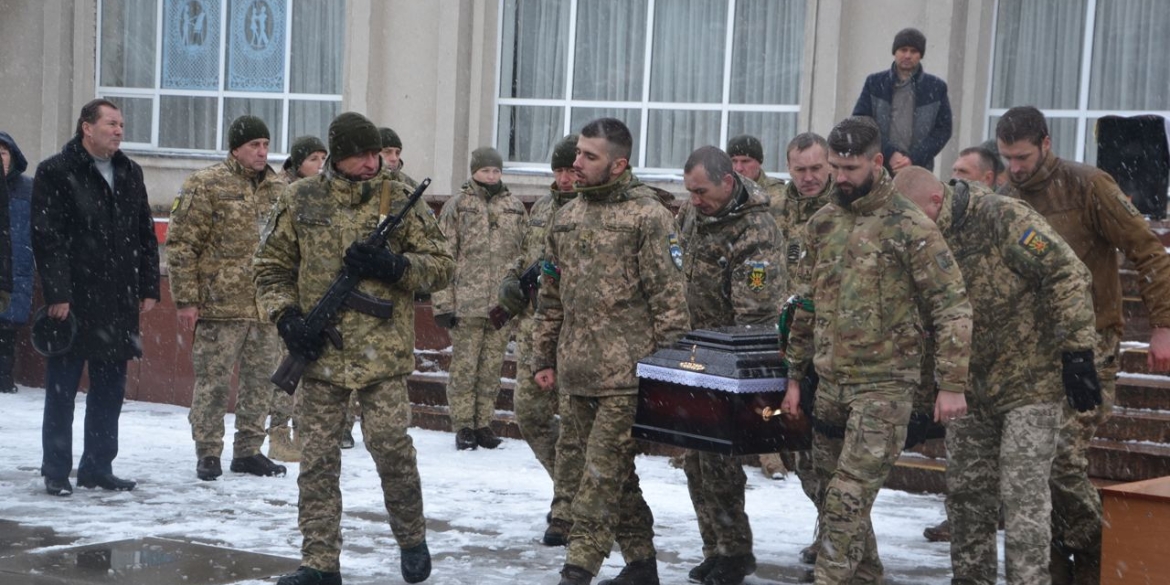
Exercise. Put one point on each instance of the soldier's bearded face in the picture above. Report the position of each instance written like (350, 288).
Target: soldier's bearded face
(360, 167)
(1022, 158)
(593, 164)
(854, 175)
(809, 169)
(253, 155)
(746, 166)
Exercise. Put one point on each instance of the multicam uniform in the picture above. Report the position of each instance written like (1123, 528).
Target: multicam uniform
(299, 255)
(485, 233)
(735, 276)
(1086, 207)
(1030, 302)
(214, 227)
(620, 296)
(864, 265)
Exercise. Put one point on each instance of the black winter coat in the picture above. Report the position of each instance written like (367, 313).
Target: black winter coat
(95, 249)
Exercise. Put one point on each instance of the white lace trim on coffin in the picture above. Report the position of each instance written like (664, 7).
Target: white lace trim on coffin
(701, 380)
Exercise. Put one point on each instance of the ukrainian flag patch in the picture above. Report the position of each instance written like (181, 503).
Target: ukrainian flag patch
(1035, 242)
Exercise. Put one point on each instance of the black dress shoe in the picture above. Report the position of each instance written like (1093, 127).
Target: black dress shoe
(259, 465)
(106, 481)
(58, 487)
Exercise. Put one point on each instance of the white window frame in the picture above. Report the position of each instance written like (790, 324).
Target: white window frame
(156, 93)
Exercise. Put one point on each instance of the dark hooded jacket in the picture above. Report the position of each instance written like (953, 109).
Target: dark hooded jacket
(19, 210)
(95, 249)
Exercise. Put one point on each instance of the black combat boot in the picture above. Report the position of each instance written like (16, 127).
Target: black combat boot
(808, 554)
(643, 572)
(416, 563)
(208, 468)
(557, 533)
(58, 487)
(259, 465)
(310, 576)
(574, 575)
(106, 481)
(347, 441)
(730, 570)
(700, 571)
(465, 439)
(486, 438)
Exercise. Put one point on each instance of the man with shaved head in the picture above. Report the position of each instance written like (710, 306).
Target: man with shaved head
(1031, 346)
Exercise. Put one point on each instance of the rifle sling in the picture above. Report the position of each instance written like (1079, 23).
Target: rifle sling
(369, 305)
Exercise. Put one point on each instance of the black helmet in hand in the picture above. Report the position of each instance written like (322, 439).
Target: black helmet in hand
(53, 337)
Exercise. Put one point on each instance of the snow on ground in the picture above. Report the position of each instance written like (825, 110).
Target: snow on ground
(485, 509)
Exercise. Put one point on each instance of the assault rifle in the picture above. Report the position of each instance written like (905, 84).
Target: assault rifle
(529, 285)
(343, 293)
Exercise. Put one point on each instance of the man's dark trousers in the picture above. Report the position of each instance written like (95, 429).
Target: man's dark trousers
(103, 406)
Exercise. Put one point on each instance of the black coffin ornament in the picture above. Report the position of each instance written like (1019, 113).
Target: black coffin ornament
(718, 390)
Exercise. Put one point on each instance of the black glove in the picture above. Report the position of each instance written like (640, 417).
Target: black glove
(446, 320)
(367, 261)
(918, 430)
(1079, 375)
(511, 296)
(298, 338)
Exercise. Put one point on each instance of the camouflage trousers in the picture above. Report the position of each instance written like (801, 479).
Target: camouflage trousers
(801, 463)
(852, 470)
(716, 484)
(1076, 506)
(281, 413)
(552, 439)
(993, 459)
(385, 419)
(477, 354)
(218, 348)
(352, 411)
(609, 504)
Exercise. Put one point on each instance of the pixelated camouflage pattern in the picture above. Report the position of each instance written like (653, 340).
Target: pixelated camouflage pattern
(302, 250)
(484, 233)
(791, 210)
(716, 484)
(477, 354)
(773, 187)
(867, 266)
(994, 459)
(402, 177)
(281, 412)
(321, 422)
(214, 227)
(620, 295)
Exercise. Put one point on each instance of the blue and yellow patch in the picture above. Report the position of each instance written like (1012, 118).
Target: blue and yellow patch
(1035, 242)
(757, 276)
(675, 250)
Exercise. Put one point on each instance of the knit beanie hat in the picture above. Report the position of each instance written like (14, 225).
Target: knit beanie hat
(301, 149)
(565, 153)
(245, 129)
(351, 133)
(745, 145)
(390, 138)
(910, 37)
(485, 156)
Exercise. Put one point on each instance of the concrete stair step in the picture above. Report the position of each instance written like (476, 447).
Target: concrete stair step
(1143, 391)
(1128, 461)
(1135, 424)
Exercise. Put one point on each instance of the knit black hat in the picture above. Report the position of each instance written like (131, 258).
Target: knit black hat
(745, 145)
(565, 152)
(485, 156)
(351, 133)
(390, 138)
(910, 37)
(245, 129)
(301, 149)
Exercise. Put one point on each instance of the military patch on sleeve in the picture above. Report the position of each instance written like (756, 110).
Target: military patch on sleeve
(1035, 242)
(757, 276)
(175, 205)
(944, 260)
(675, 250)
(1128, 204)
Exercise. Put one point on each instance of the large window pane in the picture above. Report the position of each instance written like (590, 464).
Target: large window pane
(611, 37)
(774, 129)
(673, 134)
(532, 63)
(768, 51)
(1038, 53)
(136, 115)
(190, 58)
(186, 122)
(1130, 46)
(255, 45)
(631, 118)
(318, 33)
(529, 133)
(312, 118)
(127, 41)
(267, 110)
(689, 46)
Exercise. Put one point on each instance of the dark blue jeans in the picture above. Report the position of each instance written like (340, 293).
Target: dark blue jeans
(103, 406)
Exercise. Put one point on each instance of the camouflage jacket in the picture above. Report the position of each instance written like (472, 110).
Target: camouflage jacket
(215, 226)
(540, 217)
(773, 187)
(1030, 298)
(791, 211)
(620, 293)
(866, 268)
(402, 177)
(732, 263)
(301, 252)
(1087, 208)
(484, 234)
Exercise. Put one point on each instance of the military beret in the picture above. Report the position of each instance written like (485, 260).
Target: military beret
(245, 129)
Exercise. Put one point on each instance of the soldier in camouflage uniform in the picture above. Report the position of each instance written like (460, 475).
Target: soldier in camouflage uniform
(553, 440)
(735, 276)
(1086, 207)
(485, 226)
(616, 293)
(215, 225)
(307, 241)
(868, 256)
(1032, 310)
(392, 156)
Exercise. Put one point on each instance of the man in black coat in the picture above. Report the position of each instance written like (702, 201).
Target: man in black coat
(95, 248)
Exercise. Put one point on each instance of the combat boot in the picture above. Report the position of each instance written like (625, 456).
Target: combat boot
(730, 570)
(557, 533)
(700, 571)
(465, 439)
(643, 572)
(259, 465)
(486, 438)
(416, 563)
(208, 468)
(939, 533)
(309, 576)
(347, 441)
(574, 575)
(280, 445)
(808, 554)
(772, 466)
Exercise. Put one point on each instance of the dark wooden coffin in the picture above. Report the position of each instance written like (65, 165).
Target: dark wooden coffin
(718, 390)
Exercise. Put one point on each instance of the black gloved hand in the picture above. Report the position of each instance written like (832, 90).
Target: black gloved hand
(511, 295)
(1079, 375)
(446, 320)
(298, 338)
(367, 261)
